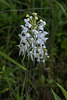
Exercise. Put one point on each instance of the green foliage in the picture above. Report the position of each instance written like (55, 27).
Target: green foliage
(12, 73)
(12, 60)
(63, 90)
(42, 80)
(56, 96)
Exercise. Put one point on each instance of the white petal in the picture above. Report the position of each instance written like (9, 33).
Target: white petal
(43, 61)
(45, 39)
(42, 35)
(27, 35)
(39, 41)
(44, 23)
(38, 59)
(28, 19)
(31, 17)
(25, 29)
(22, 26)
(25, 20)
(32, 39)
(44, 46)
(45, 32)
(20, 35)
(28, 24)
(41, 27)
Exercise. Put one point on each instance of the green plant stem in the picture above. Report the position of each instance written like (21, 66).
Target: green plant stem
(27, 78)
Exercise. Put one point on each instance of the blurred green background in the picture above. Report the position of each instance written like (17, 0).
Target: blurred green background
(12, 14)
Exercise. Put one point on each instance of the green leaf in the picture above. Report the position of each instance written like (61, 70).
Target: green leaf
(55, 95)
(62, 8)
(6, 89)
(63, 90)
(12, 60)
(6, 3)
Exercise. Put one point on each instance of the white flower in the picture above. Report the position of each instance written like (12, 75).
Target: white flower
(25, 20)
(31, 17)
(45, 32)
(33, 39)
(28, 24)
(42, 22)
(44, 46)
(28, 19)
(25, 29)
(39, 41)
(22, 26)
(41, 27)
(43, 61)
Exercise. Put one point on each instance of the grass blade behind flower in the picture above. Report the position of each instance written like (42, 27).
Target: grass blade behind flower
(12, 60)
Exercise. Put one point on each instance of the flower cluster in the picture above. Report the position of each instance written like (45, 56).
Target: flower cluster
(33, 40)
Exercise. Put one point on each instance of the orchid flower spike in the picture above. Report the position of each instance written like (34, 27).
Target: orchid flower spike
(33, 39)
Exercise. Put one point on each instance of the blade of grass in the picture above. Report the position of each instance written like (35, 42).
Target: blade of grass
(64, 11)
(8, 81)
(23, 10)
(55, 95)
(12, 60)
(63, 90)
(6, 3)
(20, 2)
(5, 90)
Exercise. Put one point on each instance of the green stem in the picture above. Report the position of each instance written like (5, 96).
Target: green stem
(27, 77)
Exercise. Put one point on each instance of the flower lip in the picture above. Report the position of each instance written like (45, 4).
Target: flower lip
(45, 32)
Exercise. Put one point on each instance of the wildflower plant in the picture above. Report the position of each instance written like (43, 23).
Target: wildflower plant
(33, 39)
